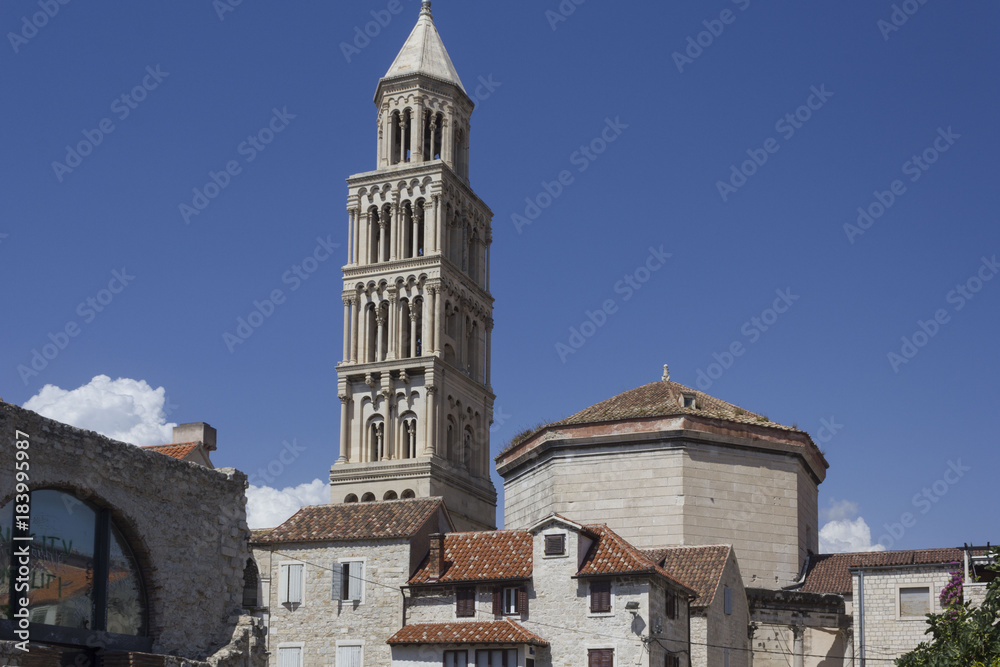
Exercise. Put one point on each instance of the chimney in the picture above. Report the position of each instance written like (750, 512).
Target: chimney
(666, 373)
(435, 561)
(197, 432)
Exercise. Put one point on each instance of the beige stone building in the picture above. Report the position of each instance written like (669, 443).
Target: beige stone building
(556, 594)
(665, 464)
(416, 401)
(331, 578)
(125, 548)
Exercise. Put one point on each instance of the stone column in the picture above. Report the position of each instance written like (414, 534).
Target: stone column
(394, 233)
(414, 315)
(402, 137)
(356, 239)
(416, 217)
(439, 321)
(394, 323)
(347, 328)
(355, 330)
(430, 432)
(447, 149)
(438, 242)
(382, 225)
(345, 421)
(380, 319)
(390, 420)
(798, 657)
(417, 137)
(430, 307)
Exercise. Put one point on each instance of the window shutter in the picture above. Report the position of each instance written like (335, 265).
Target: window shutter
(465, 602)
(336, 592)
(356, 573)
(289, 657)
(522, 600)
(283, 585)
(728, 602)
(555, 545)
(498, 602)
(295, 584)
(349, 656)
(600, 596)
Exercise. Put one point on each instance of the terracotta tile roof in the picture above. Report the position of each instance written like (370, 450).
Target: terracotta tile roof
(354, 521)
(177, 450)
(830, 573)
(700, 568)
(658, 399)
(497, 555)
(473, 632)
(612, 555)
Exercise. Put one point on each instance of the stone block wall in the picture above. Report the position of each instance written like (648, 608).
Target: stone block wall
(320, 623)
(886, 634)
(185, 523)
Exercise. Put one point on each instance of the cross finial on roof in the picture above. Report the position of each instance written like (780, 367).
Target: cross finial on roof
(425, 8)
(666, 373)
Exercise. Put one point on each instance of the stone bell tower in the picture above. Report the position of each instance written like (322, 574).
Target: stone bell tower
(414, 383)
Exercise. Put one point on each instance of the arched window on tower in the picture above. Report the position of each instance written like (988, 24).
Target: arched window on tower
(405, 122)
(390, 495)
(418, 314)
(436, 133)
(475, 369)
(371, 317)
(383, 330)
(468, 449)
(396, 136)
(351, 498)
(376, 439)
(250, 578)
(374, 236)
(408, 493)
(368, 498)
(449, 442)
(404, 329)
(408, 436)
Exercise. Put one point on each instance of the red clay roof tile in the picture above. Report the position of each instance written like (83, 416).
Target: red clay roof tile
(498, 555)
(354, 521)
(700, 568)
(472, 632)
(177, 450)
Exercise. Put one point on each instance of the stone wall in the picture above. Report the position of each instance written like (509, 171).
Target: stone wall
(886, 634)
(319, 623)
(185, 523)
(719, 630)
(655, 491)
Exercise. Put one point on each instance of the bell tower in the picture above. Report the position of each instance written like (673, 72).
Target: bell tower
(414, 383)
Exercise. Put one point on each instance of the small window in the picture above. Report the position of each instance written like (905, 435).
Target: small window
(497, 658)
(465, 602)
(600, 597)
(351, 498)
(601, 657)
(289, 656)
(725, 657)
(672, 660)
(510, 601)
(689, 401)
(456, 659)
(555, 545)
(348, 581)
(349, 655)
(728, 592)
(914, 601)
(671, 606)
(250, 579)
(290, 585)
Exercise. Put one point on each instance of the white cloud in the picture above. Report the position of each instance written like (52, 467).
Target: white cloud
(267, 507)
(845, 531)
(122, 409)
(839, 511)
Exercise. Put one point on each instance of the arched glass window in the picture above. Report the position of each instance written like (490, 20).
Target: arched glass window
(83, 575)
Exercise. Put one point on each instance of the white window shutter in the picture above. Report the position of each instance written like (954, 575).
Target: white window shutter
(356, 581)
(283, 585)
(290, 657)
(349, 656)
(295, 583)
(336, 592)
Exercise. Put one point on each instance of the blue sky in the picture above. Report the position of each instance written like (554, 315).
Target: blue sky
(746, 136)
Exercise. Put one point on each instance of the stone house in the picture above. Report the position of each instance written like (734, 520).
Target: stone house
(331, 577)
(191, 442)
(105, 524)
(556, 593)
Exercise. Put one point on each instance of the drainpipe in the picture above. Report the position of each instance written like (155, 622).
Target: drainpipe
(861, 615)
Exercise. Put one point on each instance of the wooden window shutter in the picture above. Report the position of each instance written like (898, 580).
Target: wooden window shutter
(555, 545)
(600, 597)
(465, 602)
(522, 600)
(498, 602)
(600, 657)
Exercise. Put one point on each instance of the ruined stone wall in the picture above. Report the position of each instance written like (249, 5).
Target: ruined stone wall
(185, 523)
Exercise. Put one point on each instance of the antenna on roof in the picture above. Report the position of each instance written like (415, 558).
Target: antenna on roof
(666, 373)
